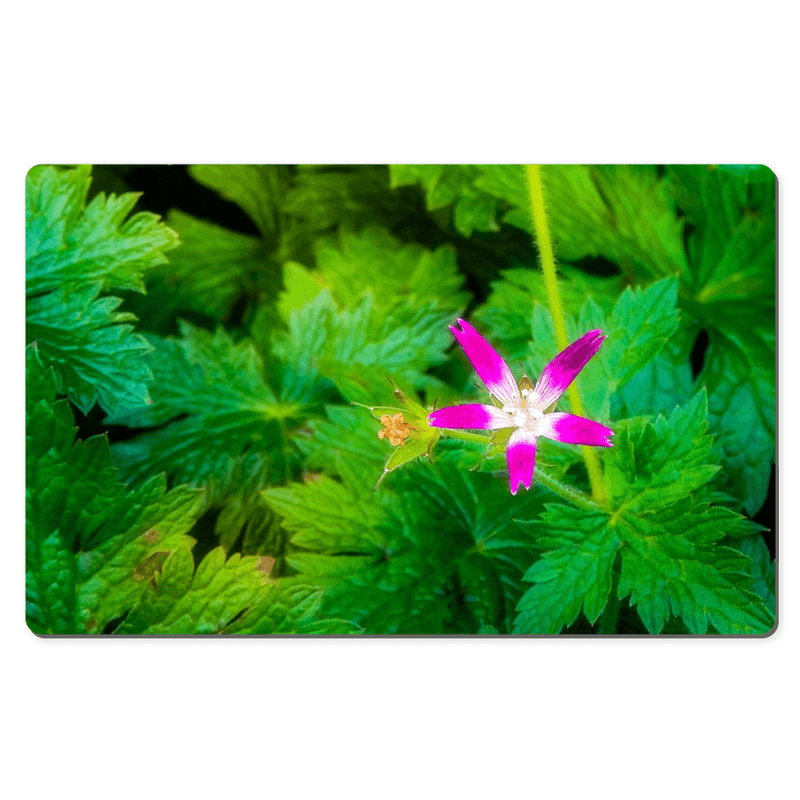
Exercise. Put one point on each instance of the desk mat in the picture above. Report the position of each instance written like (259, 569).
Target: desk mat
(401, 400)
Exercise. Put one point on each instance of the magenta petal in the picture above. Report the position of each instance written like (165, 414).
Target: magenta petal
(493, 371)
(564, 368)
(521, 456)
(574, 430)
(470, 416)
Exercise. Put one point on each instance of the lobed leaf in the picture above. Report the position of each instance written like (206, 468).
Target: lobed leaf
(731, 294)
(88, 538)
(669, 539)
(74, 252)
(257, 189)
(212, 269)
(68, 242)
(637, 329)
(226, 427)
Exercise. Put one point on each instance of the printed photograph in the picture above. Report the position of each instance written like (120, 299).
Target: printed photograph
(382, 400)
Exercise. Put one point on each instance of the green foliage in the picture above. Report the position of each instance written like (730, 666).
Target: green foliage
(762, 568)
(283, 386)
(399, 567)
(637, 328)
(220, 424)
(258, 190)
(358, 350)
(473, 209)
(574, 572)
(92, 349)
(89, 541)
(731, 287)
(97, 552)
(70, 243)
(660, 385)
(324, 198)
(73, 252)
(226, 596)
(212, 269)
(375, 262)
(506, 315)
(382, 313)
(663, 530)
(625, 214)
(293, 211)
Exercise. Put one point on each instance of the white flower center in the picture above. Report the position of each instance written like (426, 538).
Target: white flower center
(524, 416)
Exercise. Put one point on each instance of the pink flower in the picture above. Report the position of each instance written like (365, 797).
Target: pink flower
(523, 407)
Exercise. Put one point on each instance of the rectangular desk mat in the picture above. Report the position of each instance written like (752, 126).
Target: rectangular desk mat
(455, 400)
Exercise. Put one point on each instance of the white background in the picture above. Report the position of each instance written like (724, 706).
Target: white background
(620, 82)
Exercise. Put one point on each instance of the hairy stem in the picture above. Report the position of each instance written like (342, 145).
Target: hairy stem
(542, 234)
(574, 496)
(453, 433)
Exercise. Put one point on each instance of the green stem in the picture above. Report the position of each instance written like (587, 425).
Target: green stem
(574, 496)
(542, 234)
(567, 493)
(464, 436)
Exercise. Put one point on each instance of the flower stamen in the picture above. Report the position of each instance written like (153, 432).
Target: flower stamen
(396, 429)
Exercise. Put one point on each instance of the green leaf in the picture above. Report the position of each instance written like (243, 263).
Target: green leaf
(506, 315)
(463, 516)
(394, 566)
(703, 585)
(326, 516)
(364, 549)
(347, 436)
(70, 243)
(637, 329)
(669, 539)
(300, 286)
(246, 519)
(328, 196)
(227, 596)
(477, 510)
(660, 385)
(161, 595)
(672, 560)
(575, 574)
(740, 373)
(732, 245)
(358, 350)
(212, 268)
(374, 262)
(762, 567)
(623, 213)
(655, 464)
(89, 541)
(444, 185)
(731, 294)
(93, 351)
(226, 428)
(204, 602)
(257, 189)
(294, 609)
(73, 252)
(383, 313)
(344, 197)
